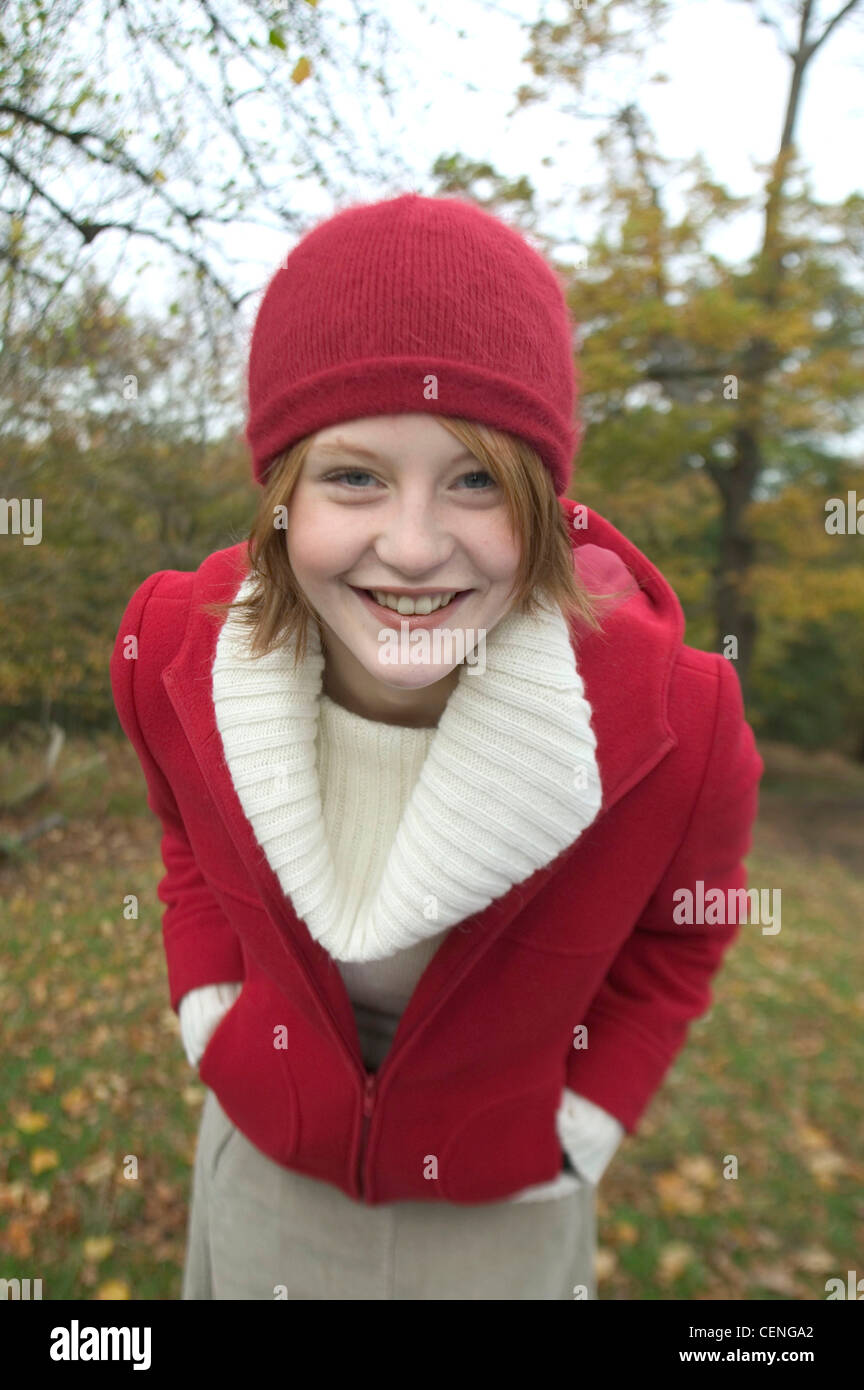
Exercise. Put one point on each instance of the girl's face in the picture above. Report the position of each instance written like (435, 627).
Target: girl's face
(395, 504)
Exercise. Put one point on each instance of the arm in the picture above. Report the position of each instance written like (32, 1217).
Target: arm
(660, 979)
(201, 946)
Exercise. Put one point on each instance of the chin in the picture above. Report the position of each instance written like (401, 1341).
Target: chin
(418, 677)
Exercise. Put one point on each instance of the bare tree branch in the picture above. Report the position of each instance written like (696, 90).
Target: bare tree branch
(221, 55)
(832, 24)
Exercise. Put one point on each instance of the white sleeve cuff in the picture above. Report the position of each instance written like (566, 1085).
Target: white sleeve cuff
(589, 1135)
(200, 1012)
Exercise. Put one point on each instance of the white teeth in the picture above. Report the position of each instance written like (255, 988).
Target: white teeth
(401, 603)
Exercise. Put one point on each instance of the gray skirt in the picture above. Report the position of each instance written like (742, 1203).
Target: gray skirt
(258, 1230)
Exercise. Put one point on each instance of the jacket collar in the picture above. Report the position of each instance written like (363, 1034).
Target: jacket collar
(625, 671)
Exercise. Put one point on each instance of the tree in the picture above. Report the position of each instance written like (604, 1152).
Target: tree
(688, 363)
(164, 122)
(123, 439)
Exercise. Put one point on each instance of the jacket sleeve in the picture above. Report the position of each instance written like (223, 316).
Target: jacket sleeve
(201, 946)
(660, 979)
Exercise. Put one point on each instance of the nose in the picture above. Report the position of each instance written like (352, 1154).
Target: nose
(412, 542)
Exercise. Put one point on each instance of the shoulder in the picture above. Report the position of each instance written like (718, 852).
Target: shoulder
(717, 752)
(146, 613)
(156, 616)
(641, 668)
(163, 600)
(704, 690)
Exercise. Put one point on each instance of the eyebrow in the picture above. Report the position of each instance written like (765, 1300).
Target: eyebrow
(334, 447)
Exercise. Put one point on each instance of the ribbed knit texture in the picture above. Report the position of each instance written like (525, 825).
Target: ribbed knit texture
(366, 772)
(509, 781)
(417, 304)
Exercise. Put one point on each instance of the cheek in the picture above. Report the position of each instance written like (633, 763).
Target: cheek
(302, 539)
(496, 552)
(319, 546)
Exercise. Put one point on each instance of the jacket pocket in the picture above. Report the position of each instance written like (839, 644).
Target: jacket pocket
(506, 1146)
(250, 1077)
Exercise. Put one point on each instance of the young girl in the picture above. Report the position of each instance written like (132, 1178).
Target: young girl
(433, 768)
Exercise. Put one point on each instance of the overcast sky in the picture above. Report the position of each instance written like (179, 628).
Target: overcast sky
(725, 97)
(456, 67)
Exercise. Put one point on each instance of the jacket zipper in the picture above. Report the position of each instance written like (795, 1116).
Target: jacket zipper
(371, 1083)
(368, 1106)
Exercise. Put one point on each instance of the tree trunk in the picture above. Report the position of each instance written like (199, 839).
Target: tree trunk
(734, 609)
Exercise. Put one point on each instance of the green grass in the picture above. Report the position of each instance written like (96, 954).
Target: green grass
(91, 1049)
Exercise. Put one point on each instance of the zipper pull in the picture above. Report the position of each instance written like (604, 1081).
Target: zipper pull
(368, 1105)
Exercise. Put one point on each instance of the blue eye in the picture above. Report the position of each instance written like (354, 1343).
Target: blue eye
(479, 473)
(348, 473)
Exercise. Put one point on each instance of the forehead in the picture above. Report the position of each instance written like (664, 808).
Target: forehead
(382, 434)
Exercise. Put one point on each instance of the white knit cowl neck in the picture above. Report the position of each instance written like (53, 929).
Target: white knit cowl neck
(510, 780)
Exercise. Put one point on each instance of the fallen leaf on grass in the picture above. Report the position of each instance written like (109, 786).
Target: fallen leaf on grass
(68, 1220)
(730, 1274)
(11, 1195)
(674, 1259)
(114, 1289)
(676, 1195)
(775, 1278)
(30, 1121)
(96, 1169)
(766, 1238)
(814, 1260)
(811, 1138)
(75, 1102)
(98, 1038)
(700, 1169)
(98, 1248)
(41, 1160)
(824, 1166)
(38, 990)
(17, 1237)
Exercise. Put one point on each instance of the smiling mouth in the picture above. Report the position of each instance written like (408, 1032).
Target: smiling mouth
(405, 606)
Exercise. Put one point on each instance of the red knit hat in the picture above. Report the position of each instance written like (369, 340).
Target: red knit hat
(408, 305)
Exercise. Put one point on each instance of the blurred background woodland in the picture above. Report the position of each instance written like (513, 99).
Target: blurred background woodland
(157, 158)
